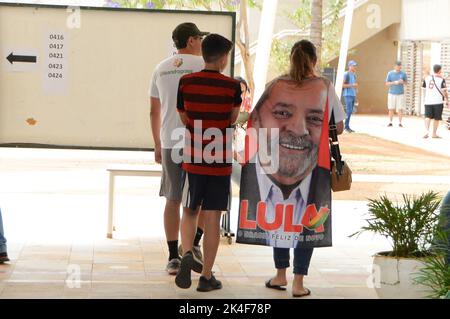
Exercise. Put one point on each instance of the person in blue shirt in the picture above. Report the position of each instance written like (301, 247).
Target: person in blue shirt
(396, 80)
(350, 89)
(3, 254)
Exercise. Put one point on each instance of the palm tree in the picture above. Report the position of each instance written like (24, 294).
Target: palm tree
(316, 28)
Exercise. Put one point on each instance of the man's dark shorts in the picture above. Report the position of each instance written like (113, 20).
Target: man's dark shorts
(210, 192)
(434, 112)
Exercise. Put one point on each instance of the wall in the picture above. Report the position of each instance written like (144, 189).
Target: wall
(426, 20)
(102, 98)
(376, 57)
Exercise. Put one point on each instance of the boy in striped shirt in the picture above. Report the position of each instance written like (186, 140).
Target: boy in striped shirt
(208, 104)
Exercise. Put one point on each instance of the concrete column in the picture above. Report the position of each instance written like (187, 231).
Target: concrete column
(435, 54)
(265, 35)
(345, 40)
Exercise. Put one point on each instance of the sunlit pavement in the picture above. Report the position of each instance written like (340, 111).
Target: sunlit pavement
(410, 134)
(54, 205)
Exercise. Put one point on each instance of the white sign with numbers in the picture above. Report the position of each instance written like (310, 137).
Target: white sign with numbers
(55, 65)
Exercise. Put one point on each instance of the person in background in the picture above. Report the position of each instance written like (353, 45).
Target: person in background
(207, 101)
(350, 90)
(3, 253)
(396, 80)
(240, 127)
(164, 120)
(246, 99)
(436, 96)
(445, 215)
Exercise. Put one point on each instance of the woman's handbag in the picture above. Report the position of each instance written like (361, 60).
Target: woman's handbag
(341, 174)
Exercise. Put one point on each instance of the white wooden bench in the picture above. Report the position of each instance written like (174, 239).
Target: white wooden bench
(151, 171)
(125, 170)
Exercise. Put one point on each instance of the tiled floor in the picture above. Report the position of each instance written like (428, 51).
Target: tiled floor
(134, 268)
(54, 206)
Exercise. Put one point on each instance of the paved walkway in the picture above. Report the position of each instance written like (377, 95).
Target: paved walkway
(411, 134)
(402, 179)
(55, 208)
(54, 233)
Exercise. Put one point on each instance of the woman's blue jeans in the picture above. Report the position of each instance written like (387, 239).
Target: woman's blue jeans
(302, 258)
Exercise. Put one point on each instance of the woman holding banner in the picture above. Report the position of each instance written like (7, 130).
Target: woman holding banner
(285, 192)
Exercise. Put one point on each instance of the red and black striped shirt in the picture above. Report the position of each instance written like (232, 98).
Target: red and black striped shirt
(208, 98)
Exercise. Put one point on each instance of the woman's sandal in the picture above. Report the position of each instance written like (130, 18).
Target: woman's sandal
(307, 293)
(276, 287)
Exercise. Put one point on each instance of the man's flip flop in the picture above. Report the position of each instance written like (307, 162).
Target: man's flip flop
(307, 293)
(276, 287)
(437, 137)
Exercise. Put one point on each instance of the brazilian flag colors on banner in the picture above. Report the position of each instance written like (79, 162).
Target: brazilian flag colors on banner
(288, 204)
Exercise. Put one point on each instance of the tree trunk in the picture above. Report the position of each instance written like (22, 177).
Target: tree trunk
(243, 43)
(316, 29)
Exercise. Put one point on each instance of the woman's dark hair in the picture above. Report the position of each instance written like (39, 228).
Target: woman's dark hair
(303, 60)
(242, 80)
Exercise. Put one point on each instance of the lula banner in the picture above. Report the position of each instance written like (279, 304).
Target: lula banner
(285, 190)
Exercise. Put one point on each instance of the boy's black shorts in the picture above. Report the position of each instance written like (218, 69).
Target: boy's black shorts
(211, 192)
(434, 112)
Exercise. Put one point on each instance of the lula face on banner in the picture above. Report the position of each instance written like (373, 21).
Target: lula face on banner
(291, 206)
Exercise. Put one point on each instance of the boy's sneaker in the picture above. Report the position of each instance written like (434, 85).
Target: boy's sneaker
(3, 258)
(183, 278)
(198, 258)
(205, 285)
(390, 125)
(173, 266)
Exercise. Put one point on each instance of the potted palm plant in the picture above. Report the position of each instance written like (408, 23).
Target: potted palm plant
(410, 226)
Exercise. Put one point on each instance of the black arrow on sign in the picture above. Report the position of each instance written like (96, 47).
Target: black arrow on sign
(21, 58)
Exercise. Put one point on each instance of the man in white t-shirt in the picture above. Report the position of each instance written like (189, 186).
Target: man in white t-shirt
(165, 121)
(436, 96)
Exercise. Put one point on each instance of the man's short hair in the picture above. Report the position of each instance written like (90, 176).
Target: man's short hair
(214, 47)
(437, 68)
(398, 63)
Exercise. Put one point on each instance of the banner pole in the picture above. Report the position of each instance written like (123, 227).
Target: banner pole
(345, 41)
